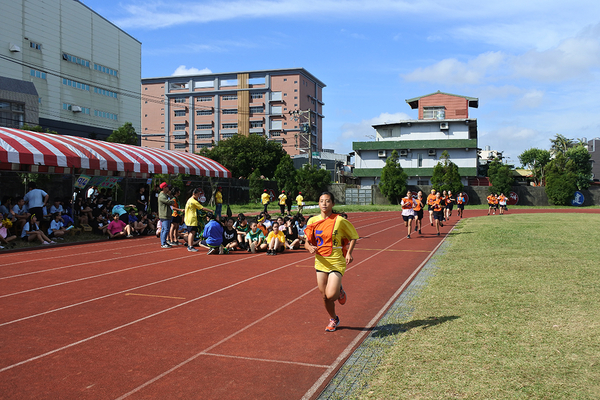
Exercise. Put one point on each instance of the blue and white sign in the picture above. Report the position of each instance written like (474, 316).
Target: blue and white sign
(578, 199)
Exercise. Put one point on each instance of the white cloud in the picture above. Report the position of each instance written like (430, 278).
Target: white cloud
(183, 70)
(452, 71)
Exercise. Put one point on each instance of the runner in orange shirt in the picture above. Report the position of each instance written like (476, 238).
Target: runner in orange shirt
(438, 212)
(490, 200)
(502, 203)
(449, 205)
(460, 204)
(420, 204)
(430, 200)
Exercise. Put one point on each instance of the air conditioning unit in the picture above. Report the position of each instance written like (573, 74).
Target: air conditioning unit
(76, 109)
(381, 153)
(403, 153)
(431, 152)
(444, 125)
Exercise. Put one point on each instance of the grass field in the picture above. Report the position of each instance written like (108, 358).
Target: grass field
(513, 313)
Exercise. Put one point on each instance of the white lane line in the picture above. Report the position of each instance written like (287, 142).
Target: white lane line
(266, 360)
(208, 349)
(143, 319)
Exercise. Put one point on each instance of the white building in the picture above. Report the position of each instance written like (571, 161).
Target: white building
(86, 70)
(443, 125)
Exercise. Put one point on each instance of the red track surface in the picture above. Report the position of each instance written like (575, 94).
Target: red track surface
(126, 319)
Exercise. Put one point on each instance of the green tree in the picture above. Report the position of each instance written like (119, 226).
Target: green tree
(560, 144)
(536, 161)
(446, 176)
(285, 175)
(501, 177)
(243, 154)
(582, 166)
(256, 185)
(561, 180)
(393, 179)
(125, 134)
(37, 128)
(312, 181)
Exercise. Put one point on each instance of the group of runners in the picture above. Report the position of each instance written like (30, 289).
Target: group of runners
(497, 203)
(439, 205)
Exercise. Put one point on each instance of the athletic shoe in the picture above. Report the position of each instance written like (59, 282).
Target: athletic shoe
(333, 323)
(214, 250)
(129, 236)
(438, 234)
(342, 299)
(166, 246)
(220, 249)
(252, 248)
(192, 249)
(416, 229)
(408, 236)
(419, 231)
(431, 224)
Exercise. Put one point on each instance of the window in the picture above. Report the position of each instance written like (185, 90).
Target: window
(256, 124)
(76, 60)
(276, 110)
(179, 127)
(76, 84)
(204, 112)
(276, 124)
(202, 145)
(179, 146)
(35, 46)
(106, 70)
(37, 74)
(257, 110)
(105, 92)
(227, 135)
(275, 133)
(12, 115)
(230, 111)
(203, 126)
(179, 100)
(276, 96)
(256, 95)
(205, 98)
(204, 84)
(230, 97)
(230, 126)
(228, 82)
(103, 114)
(180, 113)
(204, 136)
(434, 112)
(423, 182)
(179, 85)
(419, 159)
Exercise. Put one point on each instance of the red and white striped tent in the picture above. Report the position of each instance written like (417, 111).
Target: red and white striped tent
(43, 152)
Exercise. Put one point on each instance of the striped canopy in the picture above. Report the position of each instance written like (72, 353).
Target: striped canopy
(45, 152)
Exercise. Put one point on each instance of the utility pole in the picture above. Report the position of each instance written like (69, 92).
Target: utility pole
(296, 114)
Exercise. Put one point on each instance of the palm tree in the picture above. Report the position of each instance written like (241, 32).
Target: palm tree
(560, 144)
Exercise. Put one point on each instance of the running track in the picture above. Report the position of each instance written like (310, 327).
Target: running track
(126, 319)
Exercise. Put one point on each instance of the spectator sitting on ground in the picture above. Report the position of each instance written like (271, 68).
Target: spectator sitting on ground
(140, 226)
(275, 241)
(256, 238)
(118, 229)
(31, 232)
(6, 206)
(230, 235)
(57, 228)
(56, 207)
(291, 233)
(242, 228)
(21, 214)
(212, 235)
(261, 226)
(5, 235)
(301, 225)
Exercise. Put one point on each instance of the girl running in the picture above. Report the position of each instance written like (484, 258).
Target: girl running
(332, 239)
(419, 205)
(408, 213)
(430, 200)
(438, 212)
(460, 204)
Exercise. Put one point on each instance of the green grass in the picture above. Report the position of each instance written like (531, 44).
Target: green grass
(512, 312)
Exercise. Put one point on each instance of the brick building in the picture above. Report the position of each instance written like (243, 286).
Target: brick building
(190, 112)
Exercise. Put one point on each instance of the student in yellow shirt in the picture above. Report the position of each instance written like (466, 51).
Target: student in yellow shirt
(218, 202)
(275, 240)
(300, 201)
(265, 199)
(282, 199)
(331, 238)
(191, 217)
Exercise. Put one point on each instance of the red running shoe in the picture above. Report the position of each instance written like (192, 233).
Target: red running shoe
(342, 299)
(333, 323)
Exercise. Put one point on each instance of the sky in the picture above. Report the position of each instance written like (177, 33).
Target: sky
(534, 65)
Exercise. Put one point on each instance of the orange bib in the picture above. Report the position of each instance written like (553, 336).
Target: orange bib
(320, 234)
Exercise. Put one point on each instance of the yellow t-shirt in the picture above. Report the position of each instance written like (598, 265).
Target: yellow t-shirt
(265, 198)
(299, 199)
(282, 199)
(280, 235)
(343, 229)
(191, 217)
(219, 197)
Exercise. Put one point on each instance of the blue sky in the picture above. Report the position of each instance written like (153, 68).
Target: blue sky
(534, 65)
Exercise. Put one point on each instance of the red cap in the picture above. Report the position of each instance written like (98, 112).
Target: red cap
(163, 185)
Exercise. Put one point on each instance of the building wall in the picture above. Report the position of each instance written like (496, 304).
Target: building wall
(594, 149)
(190, 112)
(455, 107)
(65, 40)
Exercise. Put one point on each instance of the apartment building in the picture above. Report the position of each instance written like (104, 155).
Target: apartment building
(443, 124)
(85, 70)
(190, 112)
